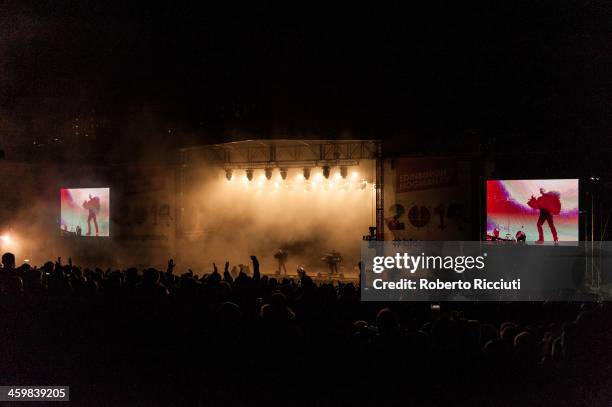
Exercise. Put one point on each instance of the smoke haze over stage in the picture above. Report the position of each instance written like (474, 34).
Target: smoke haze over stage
(307, 218)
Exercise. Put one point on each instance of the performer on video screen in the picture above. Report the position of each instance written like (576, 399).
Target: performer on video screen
(93, 208)
(548, 203)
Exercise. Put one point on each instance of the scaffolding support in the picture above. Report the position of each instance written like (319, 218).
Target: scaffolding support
(380, 193)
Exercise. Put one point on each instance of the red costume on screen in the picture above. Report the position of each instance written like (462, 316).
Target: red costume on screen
(549, 204)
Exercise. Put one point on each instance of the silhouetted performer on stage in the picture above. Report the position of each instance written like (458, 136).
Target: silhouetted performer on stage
(548, 203)
(93, 207)
(332, 259)
(281, 256)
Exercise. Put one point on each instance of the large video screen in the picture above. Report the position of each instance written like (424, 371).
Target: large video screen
(85, 211)
(533, 210)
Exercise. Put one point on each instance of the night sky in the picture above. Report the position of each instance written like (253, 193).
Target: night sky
(158, 76)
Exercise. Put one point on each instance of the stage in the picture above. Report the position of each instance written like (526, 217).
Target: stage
(320, 277)
(256, 197)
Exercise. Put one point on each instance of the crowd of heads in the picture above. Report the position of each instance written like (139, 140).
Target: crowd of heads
(248, 332)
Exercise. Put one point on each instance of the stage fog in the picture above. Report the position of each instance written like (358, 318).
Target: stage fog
(232, 219)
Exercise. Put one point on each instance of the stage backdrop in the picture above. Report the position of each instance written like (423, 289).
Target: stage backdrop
(143, 215)
(429, 198)
(513, 206)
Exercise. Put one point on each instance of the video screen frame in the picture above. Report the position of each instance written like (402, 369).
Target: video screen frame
(528, 212)
(85, 212)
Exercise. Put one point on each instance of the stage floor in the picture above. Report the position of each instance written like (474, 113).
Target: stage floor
(320, 276)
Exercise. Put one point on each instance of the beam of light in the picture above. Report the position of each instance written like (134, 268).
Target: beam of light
(8, 242)
(261, 180)
(354, 175)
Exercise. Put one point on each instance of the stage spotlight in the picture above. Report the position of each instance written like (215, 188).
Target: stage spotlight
(268, 172)
(283, 173)
(326, 171)
(249, 174)
(228, 174)
(6, 238)
(343, 171)
(306, 173)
